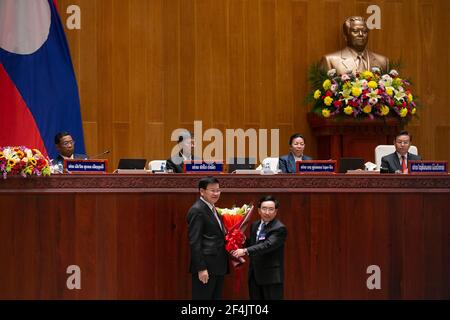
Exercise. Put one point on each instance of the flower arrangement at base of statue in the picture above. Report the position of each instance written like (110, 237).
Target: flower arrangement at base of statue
(367, 94)
(23, 161)
(236, 221)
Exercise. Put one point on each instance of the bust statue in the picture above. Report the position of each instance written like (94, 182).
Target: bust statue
(355, 57)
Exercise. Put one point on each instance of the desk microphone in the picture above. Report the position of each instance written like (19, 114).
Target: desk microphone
(100, 154)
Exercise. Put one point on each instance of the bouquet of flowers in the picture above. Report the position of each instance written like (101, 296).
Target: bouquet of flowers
(235, 221)
(364, 94)
(23, 161)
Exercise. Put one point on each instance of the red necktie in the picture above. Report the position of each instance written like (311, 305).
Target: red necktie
(404, 169)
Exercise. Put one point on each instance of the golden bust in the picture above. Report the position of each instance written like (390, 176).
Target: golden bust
(355, 57)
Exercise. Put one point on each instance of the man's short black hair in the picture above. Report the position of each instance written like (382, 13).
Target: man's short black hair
(268, 198)
(185, 135)
(204, 182)
(295, 136)
(59, 135)
(403, 133)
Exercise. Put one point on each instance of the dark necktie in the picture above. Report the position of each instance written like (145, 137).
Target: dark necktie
(261, 231)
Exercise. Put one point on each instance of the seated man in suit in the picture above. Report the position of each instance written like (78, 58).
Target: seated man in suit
(355, 57)
(265, 247)
(186, 144)
(296, 146)
(398, 161)
(66, 148)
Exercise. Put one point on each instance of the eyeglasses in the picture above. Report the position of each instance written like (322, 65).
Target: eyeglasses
(404, 143)
(214, 190)
(265, 209)
(67, 143)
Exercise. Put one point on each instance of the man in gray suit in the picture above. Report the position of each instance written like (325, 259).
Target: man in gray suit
(355, 57)
(398, 161)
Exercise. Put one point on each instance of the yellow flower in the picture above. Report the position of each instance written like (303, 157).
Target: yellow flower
(326, 84)
(11, 162)
(20, 154)
(390, 91)
(413, 111)
(33, 161)
(1, 155)
(397, 82)
(384, 110)
(403, 112)
(410, 98)
(325, 113)
(317, 94)
(367, 74)
(348, 110)
(372, 84)
(328, 101)
(356, 91)
(367, 109)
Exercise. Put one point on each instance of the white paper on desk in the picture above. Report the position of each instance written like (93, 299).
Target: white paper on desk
(370, 166)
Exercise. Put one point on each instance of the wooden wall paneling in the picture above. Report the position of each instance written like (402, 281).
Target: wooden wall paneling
(284, 107)
(238, 61)
(141, 95)
(188, 56)
(121, 143)
(120, 63)
(253, 113)
(86, 255)
(442, 138)
(105, 81)
(267, 21)
(108, 223)
(220, 63)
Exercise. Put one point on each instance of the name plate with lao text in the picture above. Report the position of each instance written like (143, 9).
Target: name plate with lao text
(424, 166)
(85, 166)
(316, 166)
(198, 166)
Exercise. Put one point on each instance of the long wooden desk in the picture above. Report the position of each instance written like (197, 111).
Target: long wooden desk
(128, 234)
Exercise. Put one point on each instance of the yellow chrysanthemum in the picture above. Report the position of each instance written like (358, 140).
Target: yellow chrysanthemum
(384, 110)
(33, 161)
(356, 91)
(372, 84)
(11, 162)
(410, 98)
(366, 75)
(317, 94)
(403, 112)
(326, 84)
(328, 101)
(20, 154)
(397, 82)
(413, 111)
(367, 109)
(390, 91)
(325, 113)
(348, 110)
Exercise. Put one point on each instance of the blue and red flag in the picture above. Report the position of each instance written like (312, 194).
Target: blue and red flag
(38, 88)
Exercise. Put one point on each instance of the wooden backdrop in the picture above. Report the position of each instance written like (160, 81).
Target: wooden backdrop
(147, 67)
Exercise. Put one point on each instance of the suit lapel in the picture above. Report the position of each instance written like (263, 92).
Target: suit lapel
(291, 163)
(211, 214)
(347, 59)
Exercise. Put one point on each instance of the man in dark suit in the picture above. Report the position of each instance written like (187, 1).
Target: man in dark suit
(398, 161)
(66, 148)
(266, 251)
(287, 163)
(209, 259)
(186, 146)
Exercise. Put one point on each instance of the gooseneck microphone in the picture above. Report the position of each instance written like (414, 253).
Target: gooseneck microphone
(100, 154)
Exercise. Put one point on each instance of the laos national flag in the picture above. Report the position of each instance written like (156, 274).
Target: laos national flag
(38, 89)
